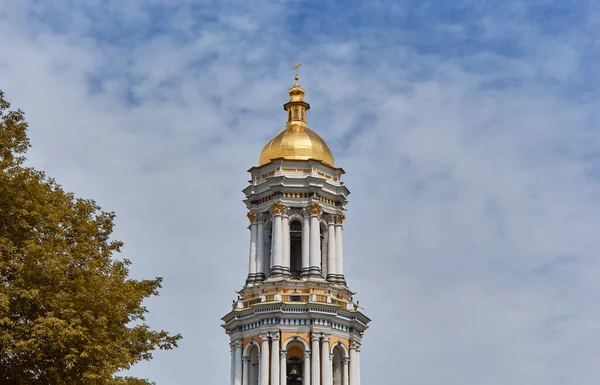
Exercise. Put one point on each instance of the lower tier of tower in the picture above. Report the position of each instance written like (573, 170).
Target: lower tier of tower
(287, 357)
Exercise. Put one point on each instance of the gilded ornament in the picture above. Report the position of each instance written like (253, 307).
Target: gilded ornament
(277, 208)
(250, 216)
(341, 218)
(315, 209)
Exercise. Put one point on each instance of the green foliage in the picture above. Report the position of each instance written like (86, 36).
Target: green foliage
(69, 313)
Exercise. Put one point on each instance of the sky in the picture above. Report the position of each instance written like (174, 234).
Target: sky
(468, 131)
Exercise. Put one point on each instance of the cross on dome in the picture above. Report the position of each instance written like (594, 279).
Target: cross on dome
(297, 67)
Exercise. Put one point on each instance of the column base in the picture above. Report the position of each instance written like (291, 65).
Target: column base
(277, 271)
(251, 278)
(305, 272)
(315, 271)
(332, 278)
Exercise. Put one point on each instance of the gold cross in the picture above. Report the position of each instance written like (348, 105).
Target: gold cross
(296, 67)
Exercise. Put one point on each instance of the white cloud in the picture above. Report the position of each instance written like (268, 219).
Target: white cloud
(472, 197)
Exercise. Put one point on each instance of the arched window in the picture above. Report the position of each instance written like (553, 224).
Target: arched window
(294, 369)
(253, 369)
(336, 370)
(295, 248)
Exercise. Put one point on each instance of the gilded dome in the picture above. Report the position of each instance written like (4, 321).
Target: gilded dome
(296, 142)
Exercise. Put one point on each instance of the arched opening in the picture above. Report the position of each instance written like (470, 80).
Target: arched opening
(295, 248)
(294, 364)
(337, 369)
(253, 373)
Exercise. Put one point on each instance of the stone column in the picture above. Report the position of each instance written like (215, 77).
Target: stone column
(275, 359)
(261, 271)
(358, 365)
(315, 240)
(285, 224)
(283, 367)
(331, 255)
(353, 364)
(245, 371)
(316, 365)
(232, 363)
(326, 361)
(339, 248)
(306, 372)
(305, 243)
(253, 246)
(345, 362)
(264, 360)
(277, 241)
(237, 358)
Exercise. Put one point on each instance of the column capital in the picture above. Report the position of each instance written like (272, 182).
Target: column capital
(305, 213)
(315, 209)
(315, 337)
(340, 218)
(251, 217)
(307, 354)
(282, 354)
(275, 336)
(236, 343)
(245, 360)
(330, 356)
(277, 208)
(331, 219)
(355, 345)
(345, 361)
(264, 337)
(326, 337)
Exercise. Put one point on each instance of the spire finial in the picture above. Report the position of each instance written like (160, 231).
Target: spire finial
(296, 67)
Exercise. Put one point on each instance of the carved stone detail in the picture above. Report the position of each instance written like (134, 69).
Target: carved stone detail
(277, 208)
(315, 209)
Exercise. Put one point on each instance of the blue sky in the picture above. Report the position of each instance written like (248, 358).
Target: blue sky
(468, 130)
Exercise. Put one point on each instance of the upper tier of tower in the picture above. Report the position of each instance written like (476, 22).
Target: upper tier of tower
(296, 141)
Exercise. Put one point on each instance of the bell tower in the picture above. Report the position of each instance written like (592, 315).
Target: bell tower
(294, 321)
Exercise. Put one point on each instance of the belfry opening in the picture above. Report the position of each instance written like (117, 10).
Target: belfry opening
(295, 248)
(295, 320)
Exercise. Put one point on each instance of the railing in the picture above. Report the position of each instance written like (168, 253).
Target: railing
(295, 298)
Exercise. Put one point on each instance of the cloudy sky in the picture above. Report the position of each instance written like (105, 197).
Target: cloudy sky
(468, 130)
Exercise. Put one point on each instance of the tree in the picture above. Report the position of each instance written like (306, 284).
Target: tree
(69, 313)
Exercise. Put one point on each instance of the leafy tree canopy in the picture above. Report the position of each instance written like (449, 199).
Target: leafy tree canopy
(69, 313)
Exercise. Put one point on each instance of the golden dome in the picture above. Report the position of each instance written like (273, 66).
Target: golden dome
(296, 141)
